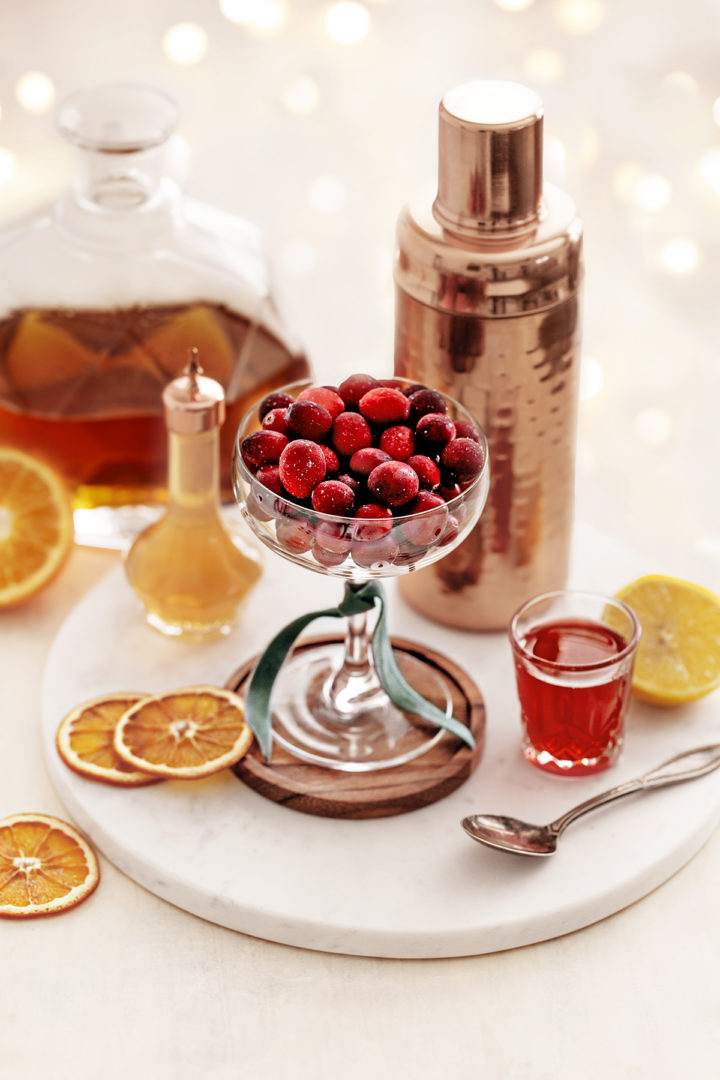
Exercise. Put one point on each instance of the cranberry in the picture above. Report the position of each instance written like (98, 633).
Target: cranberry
(329, 399)
(465, 430)
(425, 401)
(435, 430)
(377, 522)
(302, 466)
(332, 461)
(294, 535)
(462, 458)
(326, 557)
(350, 432)
(375, 554)
(276, 400)
(413, 388)
(427, 470)
(394, 384)
(351, 481)
(452, 528)
(262, 448)
(393, 483)
(430, 525)
(449, 490)
(398, 442)
(384, 405)
(333, 536)
(275, 421)
(354, 387)
(269, 477)
(256, 507)
(364, 461)
(333, 497)
(306, 420)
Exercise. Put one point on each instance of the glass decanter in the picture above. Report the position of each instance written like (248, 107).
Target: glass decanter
(101, 296)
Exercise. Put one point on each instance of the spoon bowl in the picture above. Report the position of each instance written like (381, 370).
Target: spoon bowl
(523, 838)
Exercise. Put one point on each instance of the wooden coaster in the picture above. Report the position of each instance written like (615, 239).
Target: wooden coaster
(312, 789)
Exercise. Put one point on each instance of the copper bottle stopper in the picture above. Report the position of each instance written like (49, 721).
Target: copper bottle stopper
(490, 159)
(193, 402)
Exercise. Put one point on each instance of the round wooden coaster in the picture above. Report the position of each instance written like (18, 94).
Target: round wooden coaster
(332, 793)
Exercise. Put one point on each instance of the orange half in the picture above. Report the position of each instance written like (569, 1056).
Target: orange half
(36, 525)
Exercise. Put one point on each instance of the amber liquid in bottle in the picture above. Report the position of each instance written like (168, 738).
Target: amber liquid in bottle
(186, 569)
(83, 389)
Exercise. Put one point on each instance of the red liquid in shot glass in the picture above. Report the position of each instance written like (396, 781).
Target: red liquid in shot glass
(572, 717)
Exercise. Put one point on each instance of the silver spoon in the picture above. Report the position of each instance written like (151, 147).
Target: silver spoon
(522, 838)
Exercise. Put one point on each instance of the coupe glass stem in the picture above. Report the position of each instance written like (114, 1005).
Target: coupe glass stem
(356, 683)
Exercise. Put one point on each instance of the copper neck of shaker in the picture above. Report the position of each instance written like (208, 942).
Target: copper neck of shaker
(490, 178)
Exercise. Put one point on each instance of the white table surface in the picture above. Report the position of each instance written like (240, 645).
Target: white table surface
(127, 984)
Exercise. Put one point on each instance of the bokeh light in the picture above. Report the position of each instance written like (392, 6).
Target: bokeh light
(8, 166)
(327, 194)
(301, 95)
(652, 191)
(680, 255)
(185, 43)
(544, 66)
(35, 91)
(580, 16)
(347, 22)
(514, 5)
(709, 169)
(591, 378)
(652, 427)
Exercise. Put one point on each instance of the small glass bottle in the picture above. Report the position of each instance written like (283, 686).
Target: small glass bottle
(186, 568)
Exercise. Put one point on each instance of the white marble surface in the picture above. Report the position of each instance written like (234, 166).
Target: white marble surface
(407, 886)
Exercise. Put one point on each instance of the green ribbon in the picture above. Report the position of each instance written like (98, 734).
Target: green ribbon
(357, 600)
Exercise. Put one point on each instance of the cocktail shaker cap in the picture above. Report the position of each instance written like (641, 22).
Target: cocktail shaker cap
(193, 402)
(490, 159)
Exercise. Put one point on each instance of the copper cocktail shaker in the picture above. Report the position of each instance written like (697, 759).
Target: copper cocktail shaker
(488, 310)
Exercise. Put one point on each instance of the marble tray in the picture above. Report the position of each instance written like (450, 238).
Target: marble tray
(407, 886)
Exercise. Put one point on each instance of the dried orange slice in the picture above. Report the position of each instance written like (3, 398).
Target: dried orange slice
(678, 658)
(46, 866)
(36, 525)
(85, 741)
(185, 734)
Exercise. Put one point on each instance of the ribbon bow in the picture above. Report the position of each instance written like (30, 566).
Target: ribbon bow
(357, 600)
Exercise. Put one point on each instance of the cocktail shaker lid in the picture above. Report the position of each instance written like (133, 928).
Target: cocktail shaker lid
(193, 402)
(490, 159)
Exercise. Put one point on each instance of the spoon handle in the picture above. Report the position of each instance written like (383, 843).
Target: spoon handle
(674, 771)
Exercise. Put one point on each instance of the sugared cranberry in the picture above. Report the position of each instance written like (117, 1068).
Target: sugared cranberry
(449, 490)
(333, 497)
(384, 405)
(294, 535)
(435, 430)
(465, 430)
(375, 554)
(302, 466)
(364, 461)
(452, 528)
(276, 400)
(351, 481)
(333, 536)
(354, 387)
(413, 388)
(393, 483)
(377, 521)
(427, 470)
(425, 401)
(269, 477)
(326, 557)
(429, 526)
(262, 448)
(332, 461)
(275, 421)
(395, 384)
(398, 441)
(306, 420)
(463, 459)
(350, 432)
(329, 399)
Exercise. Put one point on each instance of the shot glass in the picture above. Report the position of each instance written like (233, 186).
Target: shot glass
(574, 654)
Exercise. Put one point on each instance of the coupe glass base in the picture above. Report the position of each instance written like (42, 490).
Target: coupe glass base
(350, 723)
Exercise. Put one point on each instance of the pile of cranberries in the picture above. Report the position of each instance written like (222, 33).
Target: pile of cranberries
(370, 450)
